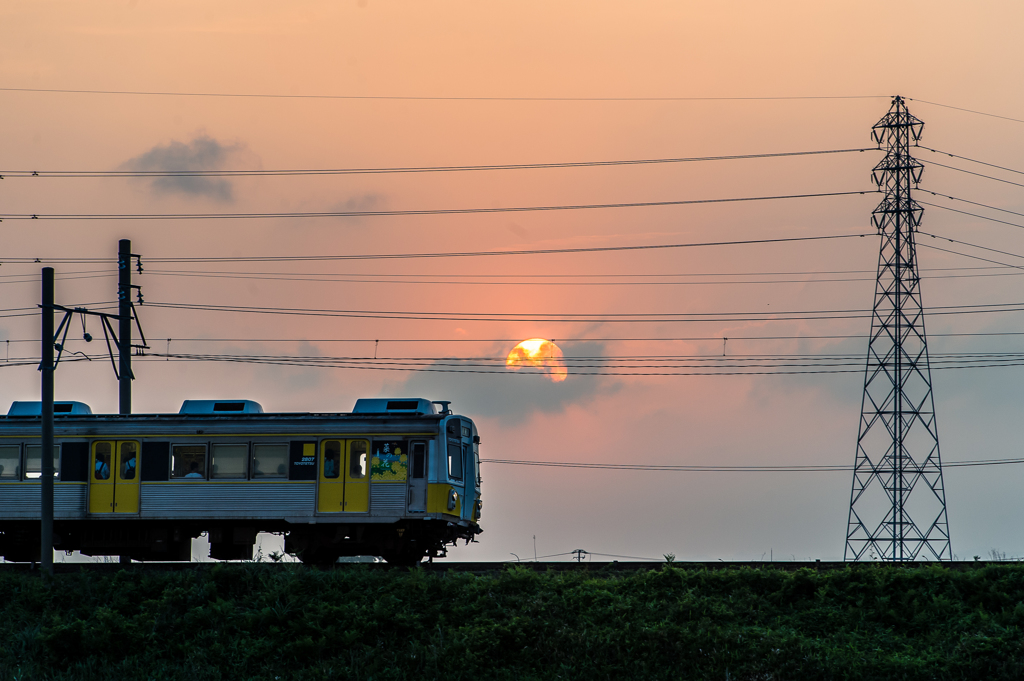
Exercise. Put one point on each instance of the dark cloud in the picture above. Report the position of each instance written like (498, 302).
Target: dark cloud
(202, 153)
(511, 397)
(362, 202)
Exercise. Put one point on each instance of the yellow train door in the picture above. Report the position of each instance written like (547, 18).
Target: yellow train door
(101, 480)
(330, 494)
(357, 476)
(126, 488)
(114, 477)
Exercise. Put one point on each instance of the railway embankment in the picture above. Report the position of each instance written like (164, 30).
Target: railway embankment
(258, 621)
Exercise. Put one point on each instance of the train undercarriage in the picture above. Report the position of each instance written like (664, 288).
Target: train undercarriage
(405, 542)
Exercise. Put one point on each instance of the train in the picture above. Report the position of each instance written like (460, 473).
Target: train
(394, 478)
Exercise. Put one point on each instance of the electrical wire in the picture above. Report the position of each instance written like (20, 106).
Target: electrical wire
(530, 280)
(405, 213)
(969, 172)
(738, 366)
(975, 203)
(797, 468)
(647, 317)
(435, 98)
(619, 339)
(449, 254)
(983, 248)
(974, 215)
(973, 111)
(972, 160)
(405, 169)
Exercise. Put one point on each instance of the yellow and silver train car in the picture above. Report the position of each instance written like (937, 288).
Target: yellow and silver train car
(396, 478)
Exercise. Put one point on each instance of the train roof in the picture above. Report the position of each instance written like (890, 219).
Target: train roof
(234, 416)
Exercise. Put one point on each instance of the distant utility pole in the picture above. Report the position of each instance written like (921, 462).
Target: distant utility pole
(897, 471)
(124, 326)
(46, 368)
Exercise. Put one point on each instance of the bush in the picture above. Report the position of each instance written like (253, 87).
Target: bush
(280, 622)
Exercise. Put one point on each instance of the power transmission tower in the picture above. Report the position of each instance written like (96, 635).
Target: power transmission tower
(898, 502)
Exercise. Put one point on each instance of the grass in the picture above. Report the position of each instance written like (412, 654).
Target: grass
(253, 621)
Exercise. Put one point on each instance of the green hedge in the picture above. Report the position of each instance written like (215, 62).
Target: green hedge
(253, 621)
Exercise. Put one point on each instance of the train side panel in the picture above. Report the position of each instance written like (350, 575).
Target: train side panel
(171, 481)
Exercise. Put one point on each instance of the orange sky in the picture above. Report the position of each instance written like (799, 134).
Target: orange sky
(951, 53)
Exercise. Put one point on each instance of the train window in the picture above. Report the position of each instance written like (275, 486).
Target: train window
(102, 469)
(229, 461)
(455, 460)
(188, 462)
(357, 459)
(10, 462)
(332, 459)
(419, 459)
(269, 461)
(129, 462)
(33, 462)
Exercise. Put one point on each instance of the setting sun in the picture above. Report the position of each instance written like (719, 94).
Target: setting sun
(541, 354)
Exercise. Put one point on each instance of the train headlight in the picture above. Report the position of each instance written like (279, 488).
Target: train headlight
(453, 499)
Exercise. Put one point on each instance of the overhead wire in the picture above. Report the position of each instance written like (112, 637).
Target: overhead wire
(414, 212)
(972, 160)
(616, 339)
(976, 203)
(288, 172)
(563, 317)
(983, 248)
(974, 215)
(969, 172)
(394, 366)
(451, 254)
(436, 98)
(530, 280)
(973, 111)
(791, 468)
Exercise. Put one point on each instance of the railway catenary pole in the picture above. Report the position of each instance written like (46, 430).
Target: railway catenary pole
(898, 500)
(46, 411)
(124, 331)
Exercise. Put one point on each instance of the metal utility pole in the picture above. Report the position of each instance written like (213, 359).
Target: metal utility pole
(898, 502)
(46, 450)
(124, 326)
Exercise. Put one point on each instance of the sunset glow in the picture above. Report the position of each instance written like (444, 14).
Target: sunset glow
(540, 354)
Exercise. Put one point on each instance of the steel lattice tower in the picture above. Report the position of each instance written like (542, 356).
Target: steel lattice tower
(898, 502)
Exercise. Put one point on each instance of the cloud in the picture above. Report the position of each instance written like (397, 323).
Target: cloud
(367, 201)
(511, 397)
(202, 153)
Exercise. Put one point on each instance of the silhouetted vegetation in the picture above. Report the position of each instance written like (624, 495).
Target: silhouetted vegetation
(253, 621)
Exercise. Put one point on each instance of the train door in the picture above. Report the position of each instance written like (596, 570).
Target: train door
(101, 482)
(126, 487)
(357, 476)
(114, 477)
(331, 483)
(418, 478)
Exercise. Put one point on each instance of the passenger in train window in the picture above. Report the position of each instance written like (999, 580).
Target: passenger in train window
(188, 461)
(10, 462)
(129, 458)
(270, 461)
(332, 459)
(102, 471)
